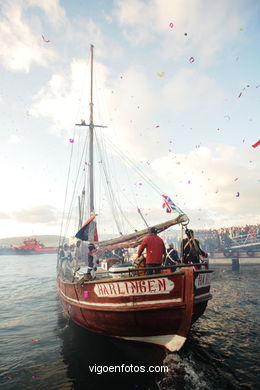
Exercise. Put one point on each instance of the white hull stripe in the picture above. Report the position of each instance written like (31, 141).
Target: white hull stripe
(127, 304)
(172, 342)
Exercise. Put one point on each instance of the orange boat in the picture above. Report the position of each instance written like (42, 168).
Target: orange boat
(120, 300)
(31, 246)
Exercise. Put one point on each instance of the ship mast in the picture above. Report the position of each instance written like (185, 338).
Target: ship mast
(91, 126)
(91, 135)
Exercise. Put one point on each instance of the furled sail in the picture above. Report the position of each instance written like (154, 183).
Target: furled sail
(134, 239)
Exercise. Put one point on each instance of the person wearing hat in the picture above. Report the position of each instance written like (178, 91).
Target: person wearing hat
(171, 257)
(155, 251)
(191, 249)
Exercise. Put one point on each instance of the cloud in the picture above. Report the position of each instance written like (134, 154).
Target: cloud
(61, 98)
(54, 13)
(20, 37)
(4, 216)
(190, 89)
(44, 214)
(209, 27)
(13, 139)
(213, 177)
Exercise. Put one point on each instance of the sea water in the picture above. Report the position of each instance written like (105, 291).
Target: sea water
(42, 349)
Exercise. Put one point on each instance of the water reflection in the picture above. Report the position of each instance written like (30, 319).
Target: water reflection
(86, 354)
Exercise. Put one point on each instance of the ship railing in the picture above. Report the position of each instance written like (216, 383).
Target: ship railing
(201, 267)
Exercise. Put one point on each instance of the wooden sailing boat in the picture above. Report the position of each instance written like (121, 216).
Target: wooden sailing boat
(130, 305)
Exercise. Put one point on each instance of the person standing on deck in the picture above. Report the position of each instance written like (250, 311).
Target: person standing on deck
(155, 250)
(171, 257)
(191, 249)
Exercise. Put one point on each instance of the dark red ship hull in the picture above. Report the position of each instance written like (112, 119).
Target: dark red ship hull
(158, 309)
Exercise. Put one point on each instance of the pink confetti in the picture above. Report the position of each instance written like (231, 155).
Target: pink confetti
(247, 86)
(191, 59)
(256, 144)
(71, 140)
(45, 40)
(171, 25)
(33, 377)
(85, 294)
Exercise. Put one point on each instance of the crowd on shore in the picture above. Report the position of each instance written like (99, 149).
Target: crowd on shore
(212, 239)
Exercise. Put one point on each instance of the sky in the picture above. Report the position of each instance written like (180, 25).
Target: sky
(179, 85)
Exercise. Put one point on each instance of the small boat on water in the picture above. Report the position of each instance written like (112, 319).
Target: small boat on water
(31, 246)
(113, 296)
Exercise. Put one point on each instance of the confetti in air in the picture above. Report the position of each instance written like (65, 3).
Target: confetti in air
(45, 40)
(240, 94)
(256, 144)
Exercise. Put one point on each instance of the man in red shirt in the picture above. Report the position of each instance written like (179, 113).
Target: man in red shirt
(155, 250)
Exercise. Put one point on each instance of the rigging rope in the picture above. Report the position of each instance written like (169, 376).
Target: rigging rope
(110, 191)
(65, 198)
(135, 167)
(62, 239)
(75, 186)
